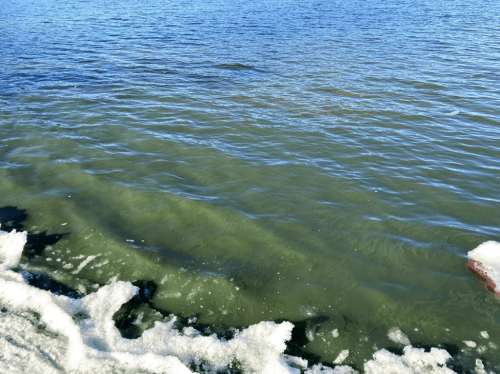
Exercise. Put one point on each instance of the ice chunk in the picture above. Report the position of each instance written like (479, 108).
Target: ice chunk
(479, 369)
(470, 343)
(414, 360)
(84, 263)
(397, 336)
(11, 249)
(341, 357)
(484, 262)
(296, 362)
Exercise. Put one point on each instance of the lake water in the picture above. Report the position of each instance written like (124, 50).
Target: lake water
(328, 163)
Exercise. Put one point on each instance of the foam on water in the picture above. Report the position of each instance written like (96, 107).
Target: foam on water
(41, 332)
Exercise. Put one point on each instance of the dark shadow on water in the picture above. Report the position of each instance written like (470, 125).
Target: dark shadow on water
(301, 329)
(296, 345)
(44, 282)
(129, 312)
(126, 318)
(13, 218)
(37, 243)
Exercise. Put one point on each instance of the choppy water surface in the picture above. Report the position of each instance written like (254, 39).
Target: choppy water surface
(263, 160)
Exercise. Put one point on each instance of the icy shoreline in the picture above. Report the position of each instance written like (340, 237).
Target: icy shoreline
(41, 332)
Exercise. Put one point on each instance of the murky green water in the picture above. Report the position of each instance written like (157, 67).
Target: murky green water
(264, 160)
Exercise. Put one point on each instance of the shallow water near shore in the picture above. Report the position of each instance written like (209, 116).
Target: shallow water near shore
(323, 162)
